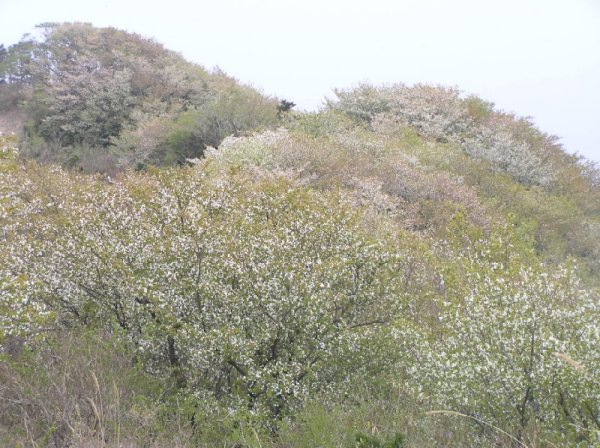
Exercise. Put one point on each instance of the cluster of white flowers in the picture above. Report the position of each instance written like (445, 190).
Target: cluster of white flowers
(517, 350)
(238, 288)
(254, 150)
(507, 154)
(442, 114)
(435, 112)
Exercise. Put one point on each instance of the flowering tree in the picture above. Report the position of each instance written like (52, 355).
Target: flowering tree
(519, 350)
(258, 292)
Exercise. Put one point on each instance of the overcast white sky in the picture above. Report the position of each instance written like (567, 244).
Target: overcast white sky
(538, 58)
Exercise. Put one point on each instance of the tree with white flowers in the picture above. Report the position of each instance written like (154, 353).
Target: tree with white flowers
(521, 349)
(260, 292)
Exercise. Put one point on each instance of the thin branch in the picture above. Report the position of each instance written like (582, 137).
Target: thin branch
(444, 412)
(371, 322)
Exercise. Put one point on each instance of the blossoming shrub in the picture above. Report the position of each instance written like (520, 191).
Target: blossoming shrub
(434, 111)
(496, 144)
(20, 214)
(374, 171)
(256, 293)
(520, 350)
(253, 283)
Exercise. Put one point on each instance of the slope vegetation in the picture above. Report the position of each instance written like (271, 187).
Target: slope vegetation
(103, 99)
(406, 267)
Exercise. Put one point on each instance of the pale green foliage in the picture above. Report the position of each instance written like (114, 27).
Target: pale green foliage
(232, 110)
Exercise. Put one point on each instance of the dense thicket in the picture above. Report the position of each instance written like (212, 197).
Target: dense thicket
(103, 99)
(406, 267)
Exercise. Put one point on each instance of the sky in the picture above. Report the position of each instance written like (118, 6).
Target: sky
(535, 58)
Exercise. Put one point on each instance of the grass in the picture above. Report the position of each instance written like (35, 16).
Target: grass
(83, 389)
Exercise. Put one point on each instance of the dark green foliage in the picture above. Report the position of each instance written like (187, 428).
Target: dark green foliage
(285, 106)
(3, 54)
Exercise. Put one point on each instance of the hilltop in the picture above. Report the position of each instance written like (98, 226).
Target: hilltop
(103, 100)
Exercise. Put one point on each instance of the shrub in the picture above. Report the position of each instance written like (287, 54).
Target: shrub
(520, 351)
(441, 114)
(254, 293)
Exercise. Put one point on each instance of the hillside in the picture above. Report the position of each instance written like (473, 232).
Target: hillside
(406, 267)
(103, 100)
